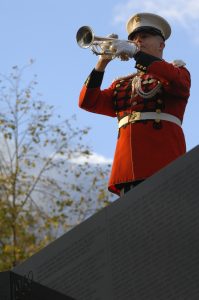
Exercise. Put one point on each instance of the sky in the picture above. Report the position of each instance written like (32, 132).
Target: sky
(45, 31)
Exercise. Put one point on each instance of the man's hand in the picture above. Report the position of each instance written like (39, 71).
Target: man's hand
(106, 47)
(124, 49)
(104, 59)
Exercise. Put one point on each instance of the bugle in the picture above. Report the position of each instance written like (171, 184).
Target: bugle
(99, 45)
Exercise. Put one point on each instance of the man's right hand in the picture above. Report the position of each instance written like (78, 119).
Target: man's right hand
(104, 59)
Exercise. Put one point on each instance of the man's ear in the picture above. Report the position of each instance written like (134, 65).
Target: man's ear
(162, 45)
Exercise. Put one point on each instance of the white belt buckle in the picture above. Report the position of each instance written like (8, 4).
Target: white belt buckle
(134, 116)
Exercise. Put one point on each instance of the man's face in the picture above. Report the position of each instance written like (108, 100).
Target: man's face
(148, 43)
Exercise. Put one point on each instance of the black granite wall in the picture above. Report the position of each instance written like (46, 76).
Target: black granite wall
(145, 246)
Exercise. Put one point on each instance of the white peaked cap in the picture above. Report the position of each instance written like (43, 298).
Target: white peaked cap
(148, 22)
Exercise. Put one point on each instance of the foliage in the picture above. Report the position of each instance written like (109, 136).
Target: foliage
(42, 193)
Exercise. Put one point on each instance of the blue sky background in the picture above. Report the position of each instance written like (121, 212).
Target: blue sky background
(45, 30)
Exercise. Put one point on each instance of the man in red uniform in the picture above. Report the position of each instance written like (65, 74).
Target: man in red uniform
(149, 104)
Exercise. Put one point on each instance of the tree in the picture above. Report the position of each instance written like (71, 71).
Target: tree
(42, 193)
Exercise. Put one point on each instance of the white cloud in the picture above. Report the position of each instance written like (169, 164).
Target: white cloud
(179, 12)
(94, 158)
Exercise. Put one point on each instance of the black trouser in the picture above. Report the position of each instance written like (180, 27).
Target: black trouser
(126, 187)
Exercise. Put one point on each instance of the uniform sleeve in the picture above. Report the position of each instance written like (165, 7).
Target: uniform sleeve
(95, 100)
(144, 60)
(176, 79)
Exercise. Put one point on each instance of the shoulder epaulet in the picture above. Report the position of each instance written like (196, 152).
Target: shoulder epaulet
(123, 77)
(178, 63)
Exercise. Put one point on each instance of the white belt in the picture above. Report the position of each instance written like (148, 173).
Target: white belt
(137, 116)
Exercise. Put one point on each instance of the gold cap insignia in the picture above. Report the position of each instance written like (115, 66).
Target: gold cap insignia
(137, 19)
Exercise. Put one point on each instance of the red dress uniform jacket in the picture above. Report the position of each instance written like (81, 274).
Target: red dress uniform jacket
(143, 147)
